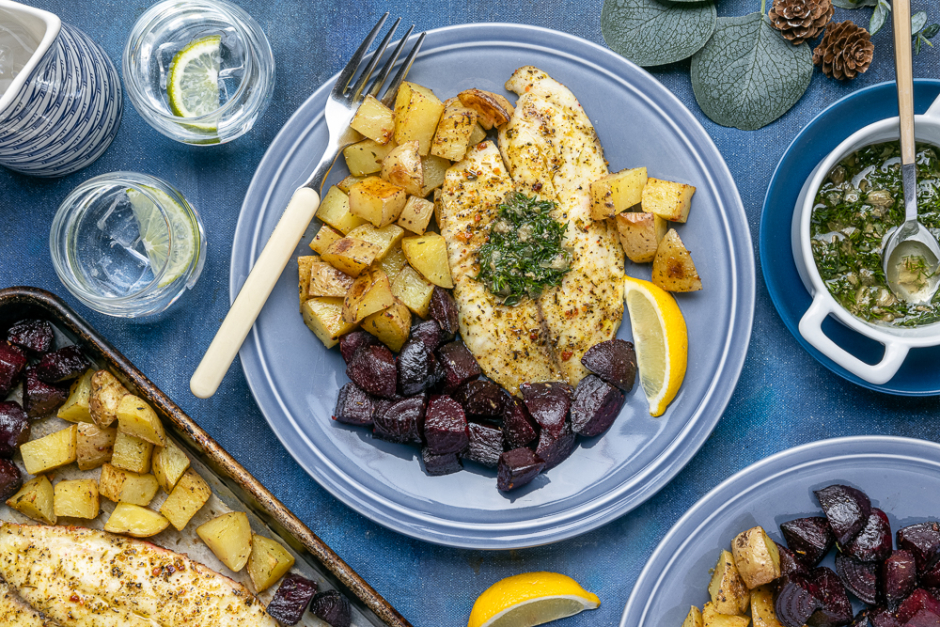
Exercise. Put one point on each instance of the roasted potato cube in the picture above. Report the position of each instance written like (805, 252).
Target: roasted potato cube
(346, 184)
(762, 607)
(131, 453)
(94, 445)
(135, 521)
(492, 109)
(478, 135)
(435, 170)
(137, 418)
(728, 592)
(417, 112)
(673, 269)
(402, 167)
(386, 238)
(334, 210)
(187, 498)
(169, 464)
(229, 537)
(615, 193)
(268, 562)
(36, 499)
(392, 325)
(713, 618)
(374, 120)
(413, 290)
(303, 272)
(370, 293)
(55, 450)
(324, 316)
(416, 215)
(106, 394)
(640, 234)
(693, 618)
(377, 201)
(76, 407)
(325, 280)
(393, 262)
(453, 130)
(119, 485)
(670, 201)
(77, 498)
(756, 557)
(428, 255)
(326, 236)
(438, 195)
(365, 157)
(351, 256)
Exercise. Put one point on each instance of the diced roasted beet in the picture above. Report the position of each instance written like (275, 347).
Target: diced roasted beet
(898, 577)
(373, 369)
(861, 578)
(883, 617)
(353, 341)
(33, 335)
(809, 538)
(429, 332)
(354, 405)
(789, 565)
(595, 406)
(41, 398)
(931, 579)
(517, 468)
(486, 445)
(873, 542)
(923, 541)
(459, 365)
(401, 420)
(923, 618)
(480, 398)
(445, 426)
(417, 368)
(518, 427)
(796, 600)
(555, 450)
(14, 428)
(291, 599)
(12, 362)
(10, 479)
(332, 608)
(918, 600)
(62, 365)
(835, 609)
(548, 403)
(614, 361)
(443, 309)
(437, 465)
(847, 510)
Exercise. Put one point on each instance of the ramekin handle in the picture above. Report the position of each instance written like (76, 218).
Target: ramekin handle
(879, 373)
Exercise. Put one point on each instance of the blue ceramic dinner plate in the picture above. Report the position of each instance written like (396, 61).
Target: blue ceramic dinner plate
(295, 379)
(900, 475)
(919, 375)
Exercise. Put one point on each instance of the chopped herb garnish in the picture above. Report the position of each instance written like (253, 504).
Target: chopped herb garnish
(523, 254)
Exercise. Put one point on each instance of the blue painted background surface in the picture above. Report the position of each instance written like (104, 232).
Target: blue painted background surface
(784, 397)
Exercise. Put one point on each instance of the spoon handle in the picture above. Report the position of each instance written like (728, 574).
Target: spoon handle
(904, 73)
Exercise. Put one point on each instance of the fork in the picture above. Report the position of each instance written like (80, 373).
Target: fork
(340, 108)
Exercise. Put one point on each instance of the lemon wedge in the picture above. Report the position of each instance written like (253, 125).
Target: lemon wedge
(661, 339)
(530, 599)
(193, 85)
(155, 233)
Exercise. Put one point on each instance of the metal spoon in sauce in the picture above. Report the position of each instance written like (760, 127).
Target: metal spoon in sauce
(911, 254)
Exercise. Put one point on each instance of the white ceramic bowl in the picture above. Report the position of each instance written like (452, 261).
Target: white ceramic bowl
(897, 341)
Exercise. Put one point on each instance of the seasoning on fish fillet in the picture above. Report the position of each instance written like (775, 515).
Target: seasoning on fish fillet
(87, 578)
(15, 611)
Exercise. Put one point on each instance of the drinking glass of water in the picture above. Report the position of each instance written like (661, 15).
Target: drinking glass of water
(127, 244)
(199, 71)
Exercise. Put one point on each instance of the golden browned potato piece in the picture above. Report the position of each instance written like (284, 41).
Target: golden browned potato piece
(417, 112)
(137, 418)
(435, 171)
(76, 498)
(453, 131)
(416, 215)
(393, 262)
(131, 453)
(615, 193)
(374, 120)
(334, 210)
(713, 618)
(377, 201)
(413, 290)
(106, 394)
(386, 238)
(370, 293)
(76, 407)
(229, 537)
(36, 499)
(438, 194)
(325, 280)
(391, 325)
(324, 316)
(756, 557)
(304, 264)
(169, 464)
(492, 109)
(693, 618)
(135, 521)
(187, 498)
(52, 451)
(728, 592)
(640, 234)
(351, 256)
(326, 236)
(673, 269)
(428, 255)
(365, 157)
(402, 167)
(762, 607)
(476, 136)
(94, 445)
(671, 201)
(268, 562)
(119, 485)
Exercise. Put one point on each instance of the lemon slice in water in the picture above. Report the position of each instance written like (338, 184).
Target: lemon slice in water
(156, 237)
(193, 85)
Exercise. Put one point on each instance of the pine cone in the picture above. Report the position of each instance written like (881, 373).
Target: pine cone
(800, 20)
(845, 51)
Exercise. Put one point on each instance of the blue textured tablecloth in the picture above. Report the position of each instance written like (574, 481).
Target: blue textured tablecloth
(784, 397)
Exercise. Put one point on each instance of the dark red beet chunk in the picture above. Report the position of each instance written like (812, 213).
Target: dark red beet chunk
(809, 538)
(33, 335)
(12, 362)
(595, 406)
(14, 428)
(861, 578)
(517, 468)
(555, 450)
(923, 618)
(480, 398)
(873, 542)
(401, 420)
(796, 600)
(847, 510)
(614, 361)
(443, 309)
(518, 427)
(898, 577)
(10, 479)
(548, 403)
(353, 341)
(429, 332)
(882, 617)
(919, 600)
(445, 426)
(41, 398)
(486, 445)
(437, 465)
(291, 599)
(835, 609)
(354, 406)
(373, 369)
(332, 608)
(789, 565)
(62, 365)
(459, 365)
(418, 370)
(923, 541)
(931, 579)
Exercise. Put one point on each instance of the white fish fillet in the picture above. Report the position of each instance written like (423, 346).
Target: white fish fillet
(15, 611)
(87, 578)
